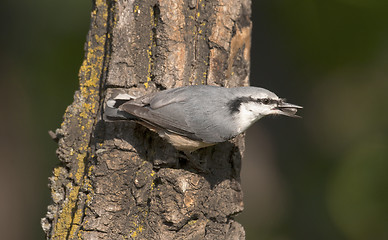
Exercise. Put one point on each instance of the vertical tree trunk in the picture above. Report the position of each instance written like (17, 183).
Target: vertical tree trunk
(121, 181)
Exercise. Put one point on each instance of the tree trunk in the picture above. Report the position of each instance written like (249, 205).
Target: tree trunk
(122, 181)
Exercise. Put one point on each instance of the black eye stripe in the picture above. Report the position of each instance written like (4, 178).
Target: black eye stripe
(234, 105)
(268, 101)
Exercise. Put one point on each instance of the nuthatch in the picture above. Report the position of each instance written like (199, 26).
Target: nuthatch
(194, 117)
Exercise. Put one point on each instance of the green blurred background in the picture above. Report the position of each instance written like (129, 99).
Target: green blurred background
(321, 177)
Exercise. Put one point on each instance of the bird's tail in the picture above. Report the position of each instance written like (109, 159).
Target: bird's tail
(111, 108)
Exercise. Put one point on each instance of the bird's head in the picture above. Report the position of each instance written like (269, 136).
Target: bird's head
(251, 103)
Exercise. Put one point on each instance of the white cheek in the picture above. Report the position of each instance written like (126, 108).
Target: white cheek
(245, 118)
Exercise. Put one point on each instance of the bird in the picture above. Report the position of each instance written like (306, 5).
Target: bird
(197, 116)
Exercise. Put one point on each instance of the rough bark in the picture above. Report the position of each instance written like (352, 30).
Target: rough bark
(120, 180)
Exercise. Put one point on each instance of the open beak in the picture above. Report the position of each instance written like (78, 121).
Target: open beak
(288, 109)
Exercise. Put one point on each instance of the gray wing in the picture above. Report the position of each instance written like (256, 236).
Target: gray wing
(195, 112)
(163, 109)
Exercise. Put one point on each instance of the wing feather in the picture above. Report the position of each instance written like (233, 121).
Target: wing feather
(182, 111)
(166, 121)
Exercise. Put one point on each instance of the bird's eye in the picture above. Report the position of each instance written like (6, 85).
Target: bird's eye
(265, 101)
